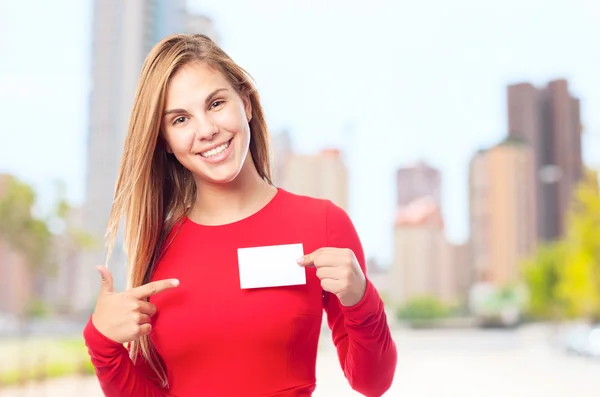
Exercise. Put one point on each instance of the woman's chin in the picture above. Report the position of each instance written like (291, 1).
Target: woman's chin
(219, 174)
(218, 177)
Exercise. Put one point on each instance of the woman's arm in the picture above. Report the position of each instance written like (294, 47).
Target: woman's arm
(360, 333)
(116, 372)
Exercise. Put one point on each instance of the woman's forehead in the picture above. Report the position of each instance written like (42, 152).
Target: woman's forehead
(194, 86)
(199, 73)
(194, 80)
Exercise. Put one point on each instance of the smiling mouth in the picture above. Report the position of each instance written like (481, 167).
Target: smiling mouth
(216, 151)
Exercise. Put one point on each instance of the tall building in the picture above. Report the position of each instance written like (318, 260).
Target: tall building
(123, 34)
(455, 273)
(59, 288)
(197, 23)
(166, 17)
(282, 149)
(501, 211)
(323, 175)
(16, 281)
(417, 181)
(15, 273)
(425, 263)
(548, 119)
(419, 251)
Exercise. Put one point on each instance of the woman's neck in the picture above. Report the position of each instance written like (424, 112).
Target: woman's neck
(218, 204)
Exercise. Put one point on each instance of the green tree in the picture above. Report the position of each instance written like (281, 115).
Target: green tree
(563, 278)
(23, 232)
(34, 237)
(19, 228)
(579, 278)
(541, 274)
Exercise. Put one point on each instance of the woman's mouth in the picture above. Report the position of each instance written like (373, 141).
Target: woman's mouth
(216, 151)
(218, 154)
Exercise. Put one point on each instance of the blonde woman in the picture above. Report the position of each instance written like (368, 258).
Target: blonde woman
(194, 188)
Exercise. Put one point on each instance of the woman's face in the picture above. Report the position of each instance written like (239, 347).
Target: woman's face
(206, 124)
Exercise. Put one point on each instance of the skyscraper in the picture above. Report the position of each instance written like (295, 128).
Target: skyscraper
(417, 181)
(197, 23)
(281, 150)
(323, 175)
(456, 273)
(16, 274)
(501, 211)
(548, 120)
(424, 261)
(123, 34)
(419, 251)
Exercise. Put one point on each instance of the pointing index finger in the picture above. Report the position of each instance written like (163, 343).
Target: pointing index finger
(153, 288)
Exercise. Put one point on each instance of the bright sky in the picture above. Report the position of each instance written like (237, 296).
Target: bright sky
(417, 80)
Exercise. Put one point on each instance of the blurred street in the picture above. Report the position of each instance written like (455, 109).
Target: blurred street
(449, 363)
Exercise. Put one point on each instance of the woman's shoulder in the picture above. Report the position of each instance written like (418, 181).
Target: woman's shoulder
(310, 206)
(321, 215)
(302, 202)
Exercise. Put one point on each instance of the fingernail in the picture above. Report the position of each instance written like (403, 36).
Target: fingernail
(300, 260)
(175, 282)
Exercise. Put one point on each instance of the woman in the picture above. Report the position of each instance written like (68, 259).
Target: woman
(194, 187)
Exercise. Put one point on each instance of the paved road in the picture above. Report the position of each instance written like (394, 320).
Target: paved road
(448, 363)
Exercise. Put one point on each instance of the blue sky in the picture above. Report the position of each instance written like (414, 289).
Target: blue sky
(416, 80)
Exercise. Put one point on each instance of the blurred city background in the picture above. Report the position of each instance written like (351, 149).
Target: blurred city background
(462, 137)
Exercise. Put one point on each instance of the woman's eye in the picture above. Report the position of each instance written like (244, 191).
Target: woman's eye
(216, 104)
(179, 120)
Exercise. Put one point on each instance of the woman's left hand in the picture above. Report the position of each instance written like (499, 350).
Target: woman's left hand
(339, 272)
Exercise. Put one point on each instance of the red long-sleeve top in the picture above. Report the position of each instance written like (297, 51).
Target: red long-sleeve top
(217, 339)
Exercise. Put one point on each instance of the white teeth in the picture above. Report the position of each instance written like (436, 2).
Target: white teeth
(215, 151)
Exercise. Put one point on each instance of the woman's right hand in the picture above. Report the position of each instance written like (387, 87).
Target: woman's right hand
(125, 316)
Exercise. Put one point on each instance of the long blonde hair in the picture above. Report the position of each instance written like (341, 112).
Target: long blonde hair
(153, 190)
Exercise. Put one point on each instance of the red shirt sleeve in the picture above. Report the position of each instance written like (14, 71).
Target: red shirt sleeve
(360, 333)
(116, 372)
